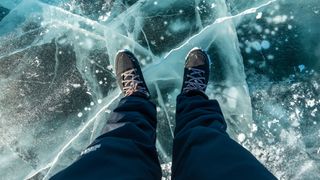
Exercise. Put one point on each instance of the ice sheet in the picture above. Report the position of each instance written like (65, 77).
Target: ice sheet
(57, 84)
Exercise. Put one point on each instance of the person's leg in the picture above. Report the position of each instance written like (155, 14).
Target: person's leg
(202, 149)
(127, 149)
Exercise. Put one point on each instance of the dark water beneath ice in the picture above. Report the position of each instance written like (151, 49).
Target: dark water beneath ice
(57, 85)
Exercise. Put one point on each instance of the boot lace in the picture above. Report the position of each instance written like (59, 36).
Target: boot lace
(196, 80)
(132, 83)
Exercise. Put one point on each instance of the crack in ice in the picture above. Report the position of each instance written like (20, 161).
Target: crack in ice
(161, 103)
(220, 20)
(65, 147)
(56, 63)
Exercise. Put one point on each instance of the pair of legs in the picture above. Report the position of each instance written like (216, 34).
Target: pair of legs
(202, 149)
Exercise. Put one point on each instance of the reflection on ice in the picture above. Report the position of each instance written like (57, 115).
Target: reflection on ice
(57, 83)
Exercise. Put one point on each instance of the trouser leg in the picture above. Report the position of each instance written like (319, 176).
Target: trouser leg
(203, 150)
(126, 152)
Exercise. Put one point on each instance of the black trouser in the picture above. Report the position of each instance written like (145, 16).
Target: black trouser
(202, 149)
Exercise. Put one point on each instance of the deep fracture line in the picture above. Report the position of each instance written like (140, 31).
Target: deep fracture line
(220, 20)
(78, 134)
(217, 21)
(161, 102)
(35, 173)
(56, 66)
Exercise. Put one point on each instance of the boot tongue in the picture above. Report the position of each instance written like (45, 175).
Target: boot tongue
(195, 80)
(132, 82)
(130, 78)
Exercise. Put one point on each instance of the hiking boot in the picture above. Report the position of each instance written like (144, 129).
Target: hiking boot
(129, 75)
(196, 72)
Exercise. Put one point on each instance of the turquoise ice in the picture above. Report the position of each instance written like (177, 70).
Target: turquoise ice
(57, 85)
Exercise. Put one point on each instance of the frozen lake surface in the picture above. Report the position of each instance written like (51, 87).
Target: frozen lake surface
(57, 82)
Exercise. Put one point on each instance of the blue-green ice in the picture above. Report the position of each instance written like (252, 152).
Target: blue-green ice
(57, 82)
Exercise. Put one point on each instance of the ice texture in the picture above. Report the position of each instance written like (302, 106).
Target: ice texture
(58, 88)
